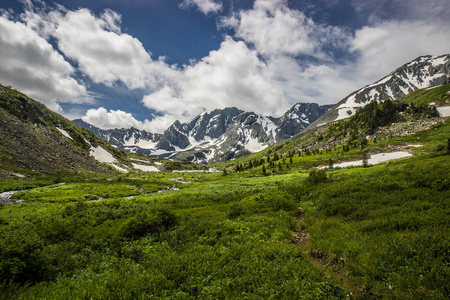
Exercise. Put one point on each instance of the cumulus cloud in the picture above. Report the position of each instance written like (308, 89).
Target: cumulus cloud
(386, 45)
(102, 52)
(274, 29)
(205, 6)
(112, 119)
(30, 64)
(233, 75)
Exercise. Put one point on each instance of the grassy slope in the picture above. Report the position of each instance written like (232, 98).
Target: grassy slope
(380, 231)
(30, 142)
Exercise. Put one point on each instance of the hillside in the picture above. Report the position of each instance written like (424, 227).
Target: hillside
(34, 139)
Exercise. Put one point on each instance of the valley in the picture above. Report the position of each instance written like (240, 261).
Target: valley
(355, 209)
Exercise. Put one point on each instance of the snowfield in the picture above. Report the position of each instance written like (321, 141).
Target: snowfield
(104, 156)
(145, 168)
(374, 159)
(444, 111)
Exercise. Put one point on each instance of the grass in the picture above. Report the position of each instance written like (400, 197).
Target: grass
(360, 233)
(373, 232)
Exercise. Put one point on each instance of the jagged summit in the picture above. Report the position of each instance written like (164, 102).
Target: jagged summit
(219, 135)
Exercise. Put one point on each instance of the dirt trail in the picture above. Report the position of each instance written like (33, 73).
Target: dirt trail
(320, 260)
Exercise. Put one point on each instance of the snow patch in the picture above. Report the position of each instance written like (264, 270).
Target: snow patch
(253, 145)
(145, 168)
(104, 156)
(64, 133)
(384, 80)
(444, 111)
(119, 168)
(343, 113)
(375, 159)
(439, 61)
(141, 143)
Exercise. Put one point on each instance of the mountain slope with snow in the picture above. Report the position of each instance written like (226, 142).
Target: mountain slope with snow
(35, 140)
(423, 72)
(220, 135)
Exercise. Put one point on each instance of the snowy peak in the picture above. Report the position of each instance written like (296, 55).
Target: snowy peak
(219, 135)
(423, 72)
(300, 116)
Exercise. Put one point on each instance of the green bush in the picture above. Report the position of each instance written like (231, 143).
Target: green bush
(149, 223)
(317, 176)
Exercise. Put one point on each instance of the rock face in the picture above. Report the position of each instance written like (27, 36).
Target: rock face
(423, 72)
(220, 135)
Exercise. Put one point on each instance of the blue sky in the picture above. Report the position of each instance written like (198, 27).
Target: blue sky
(147, 63)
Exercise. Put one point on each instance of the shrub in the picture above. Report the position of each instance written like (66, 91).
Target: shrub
(144, 223)
(317, 176)
(235, 210)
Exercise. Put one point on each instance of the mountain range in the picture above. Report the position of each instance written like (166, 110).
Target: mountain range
(35, 139)
(226, 134)
(220, 135)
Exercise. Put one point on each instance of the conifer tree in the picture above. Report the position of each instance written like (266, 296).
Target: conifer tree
(365, 159)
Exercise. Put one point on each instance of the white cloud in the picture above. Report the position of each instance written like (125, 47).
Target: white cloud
(102, 52)
(274, 29)
(112, 119)
(317, 83)
(233, 75)
(387, 45)
(30, 64)
(205, 6)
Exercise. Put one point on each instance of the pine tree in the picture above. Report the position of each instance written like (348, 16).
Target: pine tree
(330, 163)
(264, 170)
(365, 159)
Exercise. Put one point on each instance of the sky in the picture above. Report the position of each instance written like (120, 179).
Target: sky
(148, 63)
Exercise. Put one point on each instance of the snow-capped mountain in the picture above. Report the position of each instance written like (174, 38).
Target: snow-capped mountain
(423, 72)
(220, 135)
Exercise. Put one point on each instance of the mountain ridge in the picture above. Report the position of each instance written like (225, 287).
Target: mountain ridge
(422, 72)
(215, 136)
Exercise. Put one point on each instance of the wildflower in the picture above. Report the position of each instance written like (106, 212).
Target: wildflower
(194, 291)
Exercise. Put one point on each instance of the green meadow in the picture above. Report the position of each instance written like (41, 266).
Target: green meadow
(379, 231)
(279, 224)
